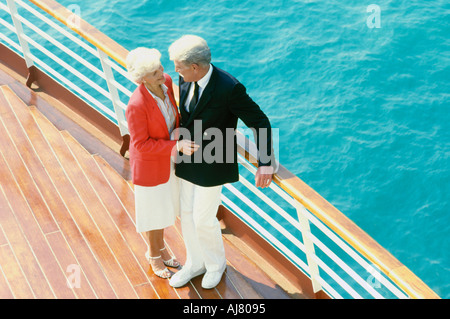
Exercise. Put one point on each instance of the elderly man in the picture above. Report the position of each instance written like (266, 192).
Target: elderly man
(211, 100)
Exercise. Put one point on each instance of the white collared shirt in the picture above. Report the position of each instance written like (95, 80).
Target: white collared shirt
(166, 108)
(202, 83)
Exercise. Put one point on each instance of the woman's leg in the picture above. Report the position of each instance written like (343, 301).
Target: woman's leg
(155, 240)
(155, 237)
(165, 253)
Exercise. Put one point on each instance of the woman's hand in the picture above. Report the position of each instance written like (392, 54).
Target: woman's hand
(187, 147)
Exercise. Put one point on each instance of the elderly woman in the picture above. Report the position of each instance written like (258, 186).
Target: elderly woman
(152, 117)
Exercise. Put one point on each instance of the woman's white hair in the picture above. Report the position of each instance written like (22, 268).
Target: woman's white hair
(190, 49)
(142, 61)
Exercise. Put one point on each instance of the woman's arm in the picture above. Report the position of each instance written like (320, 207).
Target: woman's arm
(137, 126)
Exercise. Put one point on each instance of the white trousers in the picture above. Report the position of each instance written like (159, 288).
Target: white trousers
(200, 227)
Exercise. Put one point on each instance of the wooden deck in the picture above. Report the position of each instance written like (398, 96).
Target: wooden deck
(67, 215)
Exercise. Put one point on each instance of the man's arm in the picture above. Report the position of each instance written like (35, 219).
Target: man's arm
(251, 114)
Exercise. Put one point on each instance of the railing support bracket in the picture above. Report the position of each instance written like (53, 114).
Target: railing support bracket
(32, 71)
(125, 144)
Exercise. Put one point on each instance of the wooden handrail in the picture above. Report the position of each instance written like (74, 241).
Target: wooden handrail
(289, 182)
(347, 229)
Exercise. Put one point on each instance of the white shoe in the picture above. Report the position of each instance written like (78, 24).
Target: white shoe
(212, 278)
(183, 276)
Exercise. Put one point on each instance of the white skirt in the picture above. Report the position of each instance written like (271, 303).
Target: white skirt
(157, 206)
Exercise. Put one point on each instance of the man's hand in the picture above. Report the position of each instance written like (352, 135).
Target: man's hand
(187, 147)
(263, 176)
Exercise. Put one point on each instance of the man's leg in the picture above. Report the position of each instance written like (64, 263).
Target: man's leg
(209, 235)
(194, 256)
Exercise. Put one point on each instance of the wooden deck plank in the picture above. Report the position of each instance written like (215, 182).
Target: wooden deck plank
(146, 291)
(66, 120)
(116, 224)
(242, 285)
(3, 240)
(13, 283)
(29, 207)
(115, 215)
(4, 109)
(19, 244)
(86, 224)
(252, 274)
(47, 188)
(226, 288)
(121, 187)
(59, 187)
(25, 151)
(18, 154)
(75, 275)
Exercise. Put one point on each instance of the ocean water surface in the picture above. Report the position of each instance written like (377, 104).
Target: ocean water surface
(363, 112)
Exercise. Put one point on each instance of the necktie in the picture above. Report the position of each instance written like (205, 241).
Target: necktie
(194, 99)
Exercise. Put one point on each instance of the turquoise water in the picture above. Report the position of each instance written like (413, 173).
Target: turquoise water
(362, 113)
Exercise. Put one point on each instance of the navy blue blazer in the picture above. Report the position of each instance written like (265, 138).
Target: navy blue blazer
(212, 124)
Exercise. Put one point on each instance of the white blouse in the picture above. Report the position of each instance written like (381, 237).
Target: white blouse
(166, 108)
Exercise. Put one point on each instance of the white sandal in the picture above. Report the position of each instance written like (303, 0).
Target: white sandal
(163, 273)
(171, 262)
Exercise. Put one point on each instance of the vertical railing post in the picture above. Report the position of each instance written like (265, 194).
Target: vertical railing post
(19, 31)
(115, 99)
(309, 248)
(23, 43)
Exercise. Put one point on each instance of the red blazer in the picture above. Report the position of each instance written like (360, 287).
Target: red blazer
(150, 144)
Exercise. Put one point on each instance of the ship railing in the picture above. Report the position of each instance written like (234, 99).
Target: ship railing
(104, 93)
(338, 257)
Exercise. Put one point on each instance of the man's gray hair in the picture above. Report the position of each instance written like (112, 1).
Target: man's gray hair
(190, 49)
